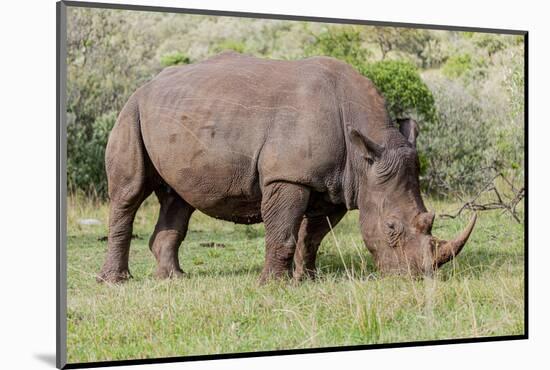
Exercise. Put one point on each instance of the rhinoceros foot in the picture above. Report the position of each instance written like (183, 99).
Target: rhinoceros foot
(169, 273)
(113, 277)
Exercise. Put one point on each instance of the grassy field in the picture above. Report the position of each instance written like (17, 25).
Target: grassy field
(220, 308)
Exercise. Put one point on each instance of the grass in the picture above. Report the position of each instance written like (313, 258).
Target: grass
(219, 307)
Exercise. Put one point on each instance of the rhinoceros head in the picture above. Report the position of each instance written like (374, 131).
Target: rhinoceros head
(395, 224)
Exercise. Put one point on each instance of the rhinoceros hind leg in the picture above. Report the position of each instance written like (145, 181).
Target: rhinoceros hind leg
(128, 171)
(283, 207)
(169, 232)
(312, 231)
(115, 268)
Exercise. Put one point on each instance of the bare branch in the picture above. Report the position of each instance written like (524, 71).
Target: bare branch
(499, 203)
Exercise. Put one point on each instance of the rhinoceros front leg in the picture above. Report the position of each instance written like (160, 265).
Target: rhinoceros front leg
(312, 231)
(170, 231)
(283, 208)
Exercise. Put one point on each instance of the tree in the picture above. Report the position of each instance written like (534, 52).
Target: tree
(453, 148)
(344, 43)
(410, 41)
(398, 81)
(488, 42)
(385, 37)
(415, 42)
(466, 66)
(107, 59)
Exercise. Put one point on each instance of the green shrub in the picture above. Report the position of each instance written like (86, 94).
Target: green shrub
(108, 57)
(343, 43)
(398, 81)
(86, 155)
(509, 147)
(173, 59)
(489, 42)
(465, 66)
(457, 65)
(111, 53)
(411, 44)
(237, 46)
(454, 147)
(405, 92)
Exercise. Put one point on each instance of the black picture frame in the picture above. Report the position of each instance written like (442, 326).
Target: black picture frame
(61, 188)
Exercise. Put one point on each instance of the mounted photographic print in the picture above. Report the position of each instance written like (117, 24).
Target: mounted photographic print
(235, 184)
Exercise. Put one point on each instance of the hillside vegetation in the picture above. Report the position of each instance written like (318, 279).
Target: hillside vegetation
(465, 89)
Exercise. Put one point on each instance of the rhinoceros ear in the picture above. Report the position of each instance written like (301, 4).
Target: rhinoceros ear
(368, 148)
(409, 129)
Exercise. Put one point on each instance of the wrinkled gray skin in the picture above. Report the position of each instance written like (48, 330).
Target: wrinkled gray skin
(294, 144)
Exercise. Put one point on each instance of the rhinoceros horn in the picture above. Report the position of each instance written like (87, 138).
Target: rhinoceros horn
(447, 250)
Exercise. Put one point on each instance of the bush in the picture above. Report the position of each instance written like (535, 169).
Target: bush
(110, 53)
(108, 57)
(454, 147)
(343, 43)
(407, 43)
(465, 66)
(405, 92)
(489, 42)
(86, 155)
(398, 81)
(457, 65)
(509, 146)
(237, 46)
(174, 59)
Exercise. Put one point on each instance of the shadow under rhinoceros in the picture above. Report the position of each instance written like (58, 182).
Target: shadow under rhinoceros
(474, 263)
(345, 265)
(239, 271)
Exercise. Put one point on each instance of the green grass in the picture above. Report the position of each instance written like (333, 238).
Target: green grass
(219, 307)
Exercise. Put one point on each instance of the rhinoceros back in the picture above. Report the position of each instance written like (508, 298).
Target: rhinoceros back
(220, 130)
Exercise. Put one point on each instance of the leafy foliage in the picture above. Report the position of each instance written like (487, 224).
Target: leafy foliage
(108, 57)
(173, 59)
(465, 67)
(459, 85)
(398, 81)
(490, 43)
(415, 44)
(405, 92)
(237, 46)
(341, 43)
(86, 162)
(508, 151)
(453, 145)
(457, 65)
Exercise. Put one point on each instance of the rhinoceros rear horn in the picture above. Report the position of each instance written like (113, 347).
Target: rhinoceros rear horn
(367, 147)
(423, 222)
(447, 250)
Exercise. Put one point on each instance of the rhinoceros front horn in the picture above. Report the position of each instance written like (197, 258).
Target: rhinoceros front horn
(447, 250)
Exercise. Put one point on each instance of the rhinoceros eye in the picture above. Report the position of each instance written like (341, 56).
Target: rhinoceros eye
(393, 230)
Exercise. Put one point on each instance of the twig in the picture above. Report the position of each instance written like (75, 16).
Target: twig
(500, 202)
